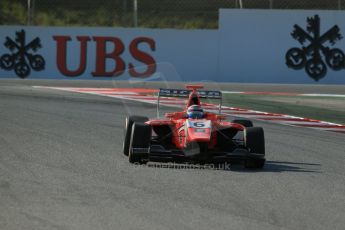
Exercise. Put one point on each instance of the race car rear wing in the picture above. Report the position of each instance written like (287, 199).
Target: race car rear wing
(209, 94)
(185, 93)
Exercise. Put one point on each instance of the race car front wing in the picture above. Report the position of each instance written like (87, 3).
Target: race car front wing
(159, 153)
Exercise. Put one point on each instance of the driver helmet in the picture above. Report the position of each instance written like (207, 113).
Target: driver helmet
(195, 112)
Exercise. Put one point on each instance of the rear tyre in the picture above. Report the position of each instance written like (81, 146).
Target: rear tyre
(244, 122)
(255, 142)
(128, 130)
(140, 138)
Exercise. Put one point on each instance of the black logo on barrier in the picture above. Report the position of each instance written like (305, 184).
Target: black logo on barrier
(20, 59)
(314, 56)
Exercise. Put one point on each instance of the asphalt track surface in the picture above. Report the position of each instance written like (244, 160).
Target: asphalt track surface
(61, 167)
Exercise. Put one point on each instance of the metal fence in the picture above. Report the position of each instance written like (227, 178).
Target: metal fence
(142, 13)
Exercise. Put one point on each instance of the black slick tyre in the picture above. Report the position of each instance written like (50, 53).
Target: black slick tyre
(255, 142)
(128, 130)
(140, 139)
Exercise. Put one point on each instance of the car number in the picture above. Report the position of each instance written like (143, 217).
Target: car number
(198, 124)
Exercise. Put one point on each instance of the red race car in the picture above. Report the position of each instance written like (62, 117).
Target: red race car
(193, 135)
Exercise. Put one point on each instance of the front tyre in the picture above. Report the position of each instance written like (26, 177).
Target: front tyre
(139, 143)
(255, 142)
(128, 130)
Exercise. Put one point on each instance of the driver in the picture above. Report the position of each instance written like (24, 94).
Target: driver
(195, 112)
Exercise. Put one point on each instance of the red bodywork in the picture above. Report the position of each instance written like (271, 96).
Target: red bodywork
(185, 130)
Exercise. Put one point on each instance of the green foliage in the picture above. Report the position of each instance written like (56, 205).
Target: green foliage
(184, 14)
(12, 13)
(69, 14)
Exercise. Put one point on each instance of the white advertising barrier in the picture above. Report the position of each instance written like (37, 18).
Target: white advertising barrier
(107, 53)
(282, 46)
